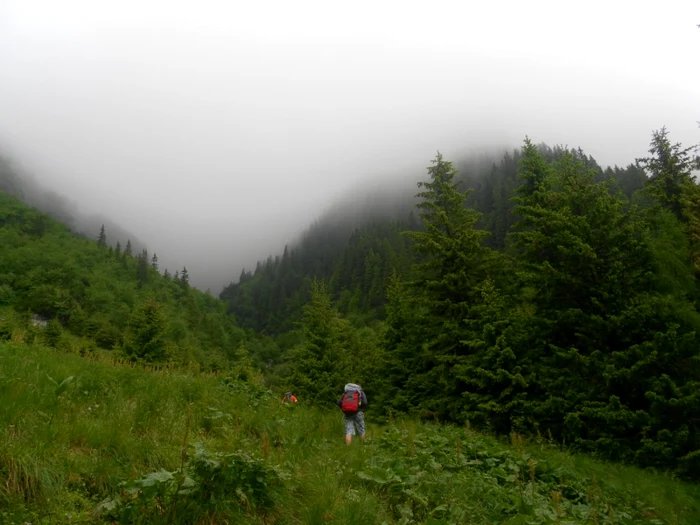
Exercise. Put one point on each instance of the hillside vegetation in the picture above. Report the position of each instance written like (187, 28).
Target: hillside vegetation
(94, 296)
(95, 441)
(556, 299)
(551, 305)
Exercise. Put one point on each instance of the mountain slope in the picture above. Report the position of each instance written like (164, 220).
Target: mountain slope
(357, 245)
(94, 296)
(17, 182)
(119, 444)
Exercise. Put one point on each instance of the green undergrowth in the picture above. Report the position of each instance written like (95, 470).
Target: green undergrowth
(86, 441)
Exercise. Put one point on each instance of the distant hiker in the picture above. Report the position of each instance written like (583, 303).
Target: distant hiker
(289, 398)
(352, 403)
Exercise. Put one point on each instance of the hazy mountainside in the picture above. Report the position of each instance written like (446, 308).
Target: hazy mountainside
(95, 296)
(575, 317)
(357, 245)
(366, 224)
(17, 182)
(356, 263)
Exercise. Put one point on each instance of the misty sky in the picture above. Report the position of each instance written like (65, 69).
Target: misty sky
(216, 131)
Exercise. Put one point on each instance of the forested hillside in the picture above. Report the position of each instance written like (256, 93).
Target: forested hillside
(546, 297)
(94, 296)
(357, 254)
(18, 182)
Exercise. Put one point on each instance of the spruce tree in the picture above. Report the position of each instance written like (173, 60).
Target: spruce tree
(184, 277)
(453, 263)
(243, 368)
(147, 333)
(669, 168)
(102, 238)
(118, 250)
(322, 364)
(154, 261)
(142, 268)
(399, 343)
(127, 250)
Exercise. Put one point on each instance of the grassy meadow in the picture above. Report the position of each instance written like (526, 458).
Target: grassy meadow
(89, 440)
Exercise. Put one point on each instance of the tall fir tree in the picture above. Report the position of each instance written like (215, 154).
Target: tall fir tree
(670, 169)
(398, 341)
(102, 238)
(322, 364)
(142, 267)
(147, 335)
(453, 263)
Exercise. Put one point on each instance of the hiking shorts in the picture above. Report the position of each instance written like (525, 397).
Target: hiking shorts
(355, 421)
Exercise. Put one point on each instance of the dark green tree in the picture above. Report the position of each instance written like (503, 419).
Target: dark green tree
(142, 267)
(102, 238)
(243, 368)
(669, 168)
(154, 262)
(322, 364)
(184, 277)
(453, 261)
(52, 332)
(147, 334)
(401, 357)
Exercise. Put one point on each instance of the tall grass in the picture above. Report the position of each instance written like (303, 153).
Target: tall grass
(64, 451)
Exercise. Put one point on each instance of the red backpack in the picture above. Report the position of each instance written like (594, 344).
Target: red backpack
(351, 402)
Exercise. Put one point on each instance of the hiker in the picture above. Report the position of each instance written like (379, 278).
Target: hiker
(289, 398)
(352, 403)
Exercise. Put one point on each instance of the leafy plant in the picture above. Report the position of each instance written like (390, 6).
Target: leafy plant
(209, 483)
(62, 386)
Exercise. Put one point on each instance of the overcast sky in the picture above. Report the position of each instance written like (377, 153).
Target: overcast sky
(216, 131)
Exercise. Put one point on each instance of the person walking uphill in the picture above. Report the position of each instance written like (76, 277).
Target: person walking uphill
(352, 403)
(289, 398)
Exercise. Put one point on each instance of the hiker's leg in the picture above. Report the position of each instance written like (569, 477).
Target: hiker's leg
(349, 429)
(360, 424)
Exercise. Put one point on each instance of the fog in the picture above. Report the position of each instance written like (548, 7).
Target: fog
(217, 131)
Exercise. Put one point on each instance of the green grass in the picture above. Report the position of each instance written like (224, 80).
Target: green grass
(64, 451)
